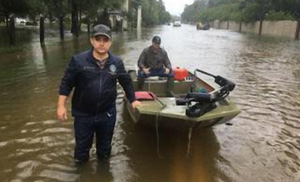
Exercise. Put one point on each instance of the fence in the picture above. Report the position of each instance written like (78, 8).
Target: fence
(275, 28)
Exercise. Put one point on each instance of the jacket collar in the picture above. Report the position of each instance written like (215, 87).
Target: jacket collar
(155, 50)
(91, 58)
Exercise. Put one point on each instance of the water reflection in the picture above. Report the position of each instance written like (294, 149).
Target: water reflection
(44, 51)
(138, 34)
(76, 44)
(23, 35)
(94, 171)
(170, 158)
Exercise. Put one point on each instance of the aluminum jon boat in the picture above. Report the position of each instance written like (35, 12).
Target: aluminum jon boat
(193, 102)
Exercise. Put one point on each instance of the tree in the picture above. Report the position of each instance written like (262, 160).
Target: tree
(16, 7)
(191, 12)
(153, 12)
(74, 17)
(256, 10)
(59, 9)
(37, 9)
(9, 9)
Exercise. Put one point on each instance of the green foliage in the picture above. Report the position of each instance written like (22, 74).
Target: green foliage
(274, 16)
(37, 7)
(90, 8)
(242, 10)
(17, 7)
(153, 12)
(166, 17)
(291, 7)
(57, 8)
(256, 10)
(226, 12)
(191, 13)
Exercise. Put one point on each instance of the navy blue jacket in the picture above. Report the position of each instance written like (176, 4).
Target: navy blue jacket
(95, 88)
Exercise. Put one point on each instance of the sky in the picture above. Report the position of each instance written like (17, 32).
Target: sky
(176, 7)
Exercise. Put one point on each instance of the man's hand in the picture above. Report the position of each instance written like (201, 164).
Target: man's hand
(135, 103)
(167, 71)
(62, 113)
(146, 71)
(61, 108)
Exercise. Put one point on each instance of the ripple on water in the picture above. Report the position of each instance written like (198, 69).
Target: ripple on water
(27, 168)
(56, 130)
(59, 175)
(3, 144)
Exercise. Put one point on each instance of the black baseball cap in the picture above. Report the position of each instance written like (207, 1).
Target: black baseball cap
(101, 30)
(156, 39)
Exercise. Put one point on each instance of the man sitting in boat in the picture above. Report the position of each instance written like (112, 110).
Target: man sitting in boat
(154, 61)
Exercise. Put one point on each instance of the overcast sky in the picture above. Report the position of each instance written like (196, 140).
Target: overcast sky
(176, 7)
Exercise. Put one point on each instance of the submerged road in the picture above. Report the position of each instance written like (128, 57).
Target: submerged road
(261, 145)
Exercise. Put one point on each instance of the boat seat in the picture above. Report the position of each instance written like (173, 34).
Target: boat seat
(156, 79)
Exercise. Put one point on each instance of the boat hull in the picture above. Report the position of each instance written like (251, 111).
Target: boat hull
(164, 111)
(178, 120)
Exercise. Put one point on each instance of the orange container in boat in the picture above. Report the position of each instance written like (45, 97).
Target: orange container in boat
(180, 73)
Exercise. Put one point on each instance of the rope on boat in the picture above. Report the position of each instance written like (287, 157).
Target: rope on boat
(189, 141)
(157, 134)
(156, 128)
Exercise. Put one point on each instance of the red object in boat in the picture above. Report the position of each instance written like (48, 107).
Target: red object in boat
(180, 73)
(143, 95)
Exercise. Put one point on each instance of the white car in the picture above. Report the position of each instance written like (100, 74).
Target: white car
(20, 21)
(176, 24)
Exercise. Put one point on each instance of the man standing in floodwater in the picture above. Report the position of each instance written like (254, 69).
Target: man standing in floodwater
(94, 75)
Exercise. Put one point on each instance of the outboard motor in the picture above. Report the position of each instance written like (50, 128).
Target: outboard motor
(197, 103)
(195, 97)
(201, 103)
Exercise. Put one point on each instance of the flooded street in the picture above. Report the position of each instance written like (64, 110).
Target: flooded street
(262, 145)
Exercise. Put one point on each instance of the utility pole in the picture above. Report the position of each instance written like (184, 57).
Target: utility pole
(138, 14)
(139, 18)
(42, 28)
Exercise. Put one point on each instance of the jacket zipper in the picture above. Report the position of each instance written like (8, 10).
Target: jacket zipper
(100, 88)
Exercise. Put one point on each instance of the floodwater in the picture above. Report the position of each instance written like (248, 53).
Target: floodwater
(263, 144)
